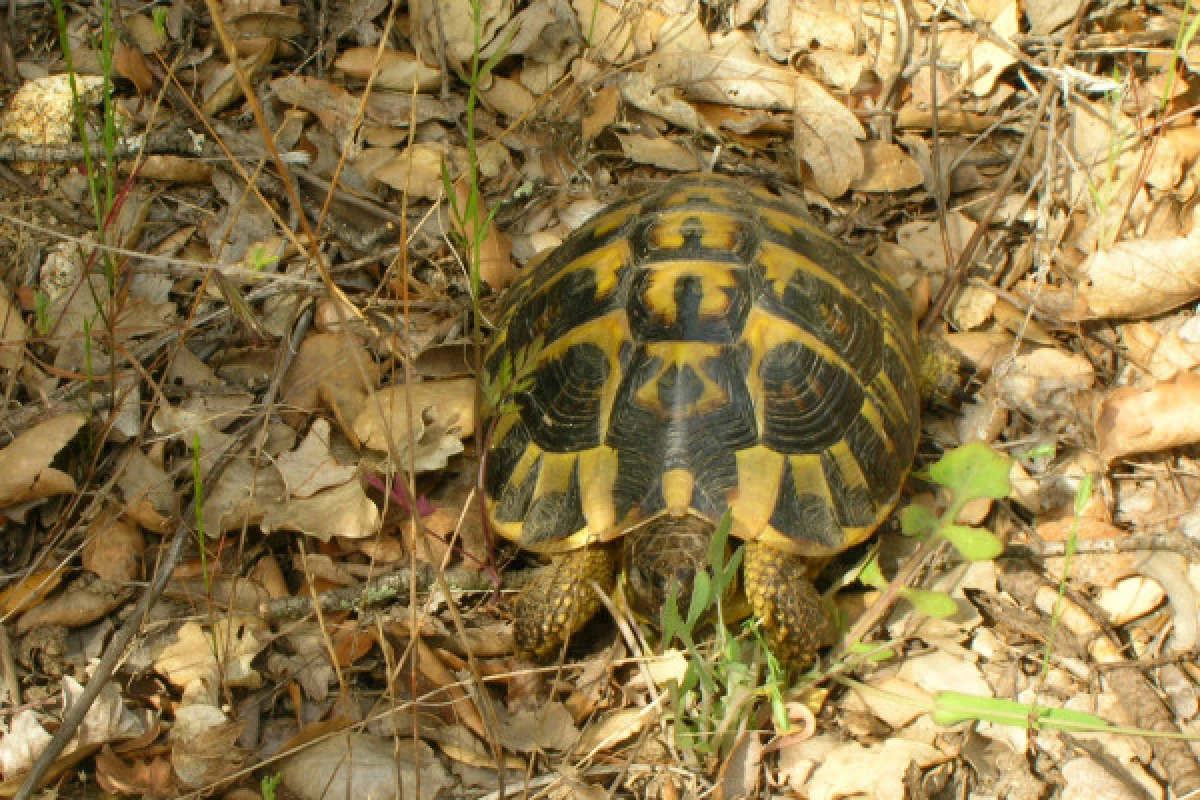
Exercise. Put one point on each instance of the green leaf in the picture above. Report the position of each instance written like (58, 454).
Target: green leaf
(670, 619)
(974, 544)
(974, 470)
(702, 597)
(917, 520)
(716, 545)
(871, 575)
(950, 708)
(872, 652)
(932, 604)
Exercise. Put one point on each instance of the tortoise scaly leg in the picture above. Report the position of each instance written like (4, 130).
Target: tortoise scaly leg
(560, 600)
(786, 602)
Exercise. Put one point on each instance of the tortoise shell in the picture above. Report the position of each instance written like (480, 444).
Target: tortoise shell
(700, 349)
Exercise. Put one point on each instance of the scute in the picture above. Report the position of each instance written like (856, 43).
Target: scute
(708, 339)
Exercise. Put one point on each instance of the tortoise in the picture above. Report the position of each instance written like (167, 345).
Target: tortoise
(702, 349)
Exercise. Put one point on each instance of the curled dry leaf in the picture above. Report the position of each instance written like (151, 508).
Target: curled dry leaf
(223, 652)
(1134, 278)
(451, 23)
(730, 72)
(418, 169)
(788, 28)
(334, 367)
(982, 60)
(396, 70)
(22, 744)
(343, 511)
(29, 591)
(356, 766)
(1144, 421)
(204, 745)
(643, 91)
(1163, 349)
(449, 402)
(311, 467)
(25, 471)
(114, 550)
(826, 138)
(877, 771)
(605, 104)
(658, 151)
(13, 332)
(887, 168)
(86, 600)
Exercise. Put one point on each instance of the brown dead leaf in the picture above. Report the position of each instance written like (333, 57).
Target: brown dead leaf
(25, 471)
(418, 169)
(982, 60)
(730, 72)
(357, 766)
(13, 332)
(826, 138)
(450, 402)
(130, 64)
(114, 550)
(175, 169)
(396, 71)
(658, 151)
(223, 652)
(29, 591)
(86, 600)
(887, 168)
(1162, 349)
(508, 98)
(203, 745)
(344, 511)
(145, 777)
(605, 104)
(335, 363)
(1134, 278)
(1145, 421)
(311, 467)
(876, 771)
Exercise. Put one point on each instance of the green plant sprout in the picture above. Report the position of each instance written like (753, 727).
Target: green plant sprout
(718, 692)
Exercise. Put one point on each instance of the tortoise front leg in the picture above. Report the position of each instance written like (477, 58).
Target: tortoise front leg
(786, 602)
(560, 600)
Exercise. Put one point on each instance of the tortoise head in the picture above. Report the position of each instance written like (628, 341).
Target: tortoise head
(668, 551)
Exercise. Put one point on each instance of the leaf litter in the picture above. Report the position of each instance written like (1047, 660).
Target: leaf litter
(175, 359)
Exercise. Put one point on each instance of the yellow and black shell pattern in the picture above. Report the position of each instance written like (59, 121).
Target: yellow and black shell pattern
(702, 348)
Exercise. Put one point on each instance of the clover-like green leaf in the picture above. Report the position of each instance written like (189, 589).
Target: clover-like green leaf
(974, 544)
(974, 470)
(917, 520)
(938, 605)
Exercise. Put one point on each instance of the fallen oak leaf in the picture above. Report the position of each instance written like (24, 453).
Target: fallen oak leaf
(25, 471)
(826, 138)
(1140, 421)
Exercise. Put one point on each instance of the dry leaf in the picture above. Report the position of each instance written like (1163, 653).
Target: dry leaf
(508, 98)
(199, 653)
(13, 332)
(29, 591)
(887, 168)
(22, 744)
(311, 467)
(396, 70)
(604, 112)
(344, 511)
(658, 151)
(114, 550)
(826, 138)
(86, 600)
(731, 72)
(336, 366)
(418, 169)
(450, 403)
(1134, 278)
(877, 771)
(981, 59)
(356, 766)
(25, 471)
(203, 747)
(1146, 421)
